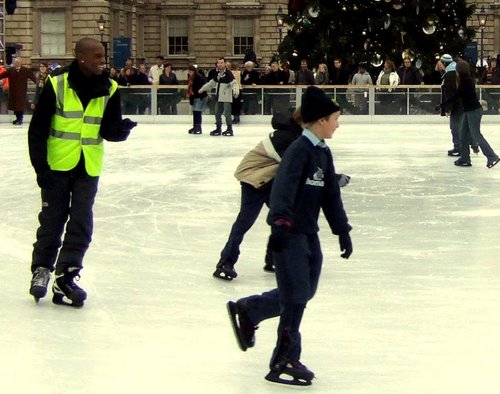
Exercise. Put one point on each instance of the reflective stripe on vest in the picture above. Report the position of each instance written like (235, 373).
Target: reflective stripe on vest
(74, 130)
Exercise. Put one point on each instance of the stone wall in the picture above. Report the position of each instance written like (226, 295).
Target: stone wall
(146, 22)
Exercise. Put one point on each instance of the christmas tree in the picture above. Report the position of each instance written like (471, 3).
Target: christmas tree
(369, 31)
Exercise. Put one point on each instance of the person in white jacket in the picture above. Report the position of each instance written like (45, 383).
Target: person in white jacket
(388, 76)
(224, 83)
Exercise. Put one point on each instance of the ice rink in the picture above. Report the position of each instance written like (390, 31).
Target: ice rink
(416, 309)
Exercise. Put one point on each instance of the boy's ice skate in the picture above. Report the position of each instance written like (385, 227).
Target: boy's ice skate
(39, 283)
(66, 292)
(225, 270)
(243, 328)
(290, 372)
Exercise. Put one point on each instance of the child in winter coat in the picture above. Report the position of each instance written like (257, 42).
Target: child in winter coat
(304, 184)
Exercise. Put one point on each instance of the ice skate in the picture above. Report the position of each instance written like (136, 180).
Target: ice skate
(492, 163)
(196, 129)
(454, 152)
(217, 131)
(269, 263)
(461, 163)
(228, 132)
(66, 292)
(39, 283)
(243, 328)
(290, 372)
(225, 270)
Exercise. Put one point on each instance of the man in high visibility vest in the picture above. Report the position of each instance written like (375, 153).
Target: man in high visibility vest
(79, 106)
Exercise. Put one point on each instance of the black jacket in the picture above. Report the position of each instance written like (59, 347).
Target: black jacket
(86, 88)
(286, 131)
(465, 93)
(304, 183)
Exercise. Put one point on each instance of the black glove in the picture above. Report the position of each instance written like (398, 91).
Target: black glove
(127, 124)
(278, 237)
(45, 179)
(345, 245)
(343, 179)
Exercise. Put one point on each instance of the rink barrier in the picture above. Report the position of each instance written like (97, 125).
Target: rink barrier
(372, 104)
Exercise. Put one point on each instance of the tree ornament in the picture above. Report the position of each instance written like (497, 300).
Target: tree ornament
(376, 60)
(429, 26)
(313, 12)
(397, 4)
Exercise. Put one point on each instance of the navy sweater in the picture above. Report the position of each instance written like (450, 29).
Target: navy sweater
(304, 183)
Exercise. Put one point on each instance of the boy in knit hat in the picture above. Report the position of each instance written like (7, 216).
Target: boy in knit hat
(304, 183)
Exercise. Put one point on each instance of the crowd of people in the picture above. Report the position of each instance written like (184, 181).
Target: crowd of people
(249, 76)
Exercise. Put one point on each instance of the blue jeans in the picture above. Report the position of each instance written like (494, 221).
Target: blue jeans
(252, 200)
(455, 122)
(223, 108)
(471, 129)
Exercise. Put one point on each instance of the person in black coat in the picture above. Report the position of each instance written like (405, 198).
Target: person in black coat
(197, 100)
(249, 80)
(470, 127)
(256, 173)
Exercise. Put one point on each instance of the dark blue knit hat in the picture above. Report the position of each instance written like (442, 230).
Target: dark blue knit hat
(316, 105)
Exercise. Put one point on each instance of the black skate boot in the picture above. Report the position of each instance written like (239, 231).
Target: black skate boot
(298, 372)
(66, 292)
(195, 130)
(269, 263)
(39, 283)
(217, 131)
(454, 152)
(243, 328)
(225, 270)
(228, 132)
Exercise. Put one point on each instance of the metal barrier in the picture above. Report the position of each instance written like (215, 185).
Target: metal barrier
(268, 99)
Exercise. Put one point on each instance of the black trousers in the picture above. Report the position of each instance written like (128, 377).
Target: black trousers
(67, 205)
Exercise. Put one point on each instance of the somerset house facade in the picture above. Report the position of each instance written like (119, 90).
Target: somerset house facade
(183, 31)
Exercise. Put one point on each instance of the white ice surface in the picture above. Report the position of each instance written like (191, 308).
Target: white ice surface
(416, 309)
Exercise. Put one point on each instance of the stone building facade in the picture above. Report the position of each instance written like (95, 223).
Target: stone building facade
(184, 31)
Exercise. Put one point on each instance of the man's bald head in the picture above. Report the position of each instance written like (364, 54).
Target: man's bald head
(90, 56)
(85, 44)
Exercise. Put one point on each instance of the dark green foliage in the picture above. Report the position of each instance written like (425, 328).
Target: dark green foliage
(358, 30)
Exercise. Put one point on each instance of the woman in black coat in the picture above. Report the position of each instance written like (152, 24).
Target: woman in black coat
(197, 100)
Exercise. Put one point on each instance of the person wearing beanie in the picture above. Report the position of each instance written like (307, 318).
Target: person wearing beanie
(304, 184)
(255, 173)
(470, 127)
(454, 109)
(446, 59)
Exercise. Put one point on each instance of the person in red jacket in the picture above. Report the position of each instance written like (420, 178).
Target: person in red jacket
(18, 88)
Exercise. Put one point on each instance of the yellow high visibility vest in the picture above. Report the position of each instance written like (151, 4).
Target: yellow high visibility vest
(74, 130)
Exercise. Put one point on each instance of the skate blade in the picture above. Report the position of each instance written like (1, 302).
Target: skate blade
(232, 311)
(276, 377)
